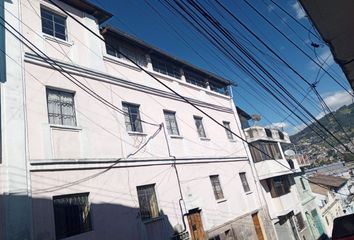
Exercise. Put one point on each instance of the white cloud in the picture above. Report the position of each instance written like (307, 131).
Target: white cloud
(296, 129)
(324, 59)
(300, 13)
(338, 99)
(278, 125)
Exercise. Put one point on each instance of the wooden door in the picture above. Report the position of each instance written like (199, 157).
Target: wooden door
(196, 225)
(257, 226)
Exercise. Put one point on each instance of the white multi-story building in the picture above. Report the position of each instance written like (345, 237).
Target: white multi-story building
(95, 148)
(276, 175)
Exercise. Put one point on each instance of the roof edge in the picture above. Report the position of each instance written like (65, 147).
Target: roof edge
(109, 29)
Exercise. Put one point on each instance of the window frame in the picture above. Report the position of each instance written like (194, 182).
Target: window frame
(169, 127)
(203, 133)
(303, 184)
(157, 64)
(54, 13)
(60, 91)
(133, 127)
(216, 186)
(152, 213)
(282, 188)
(227, 125)
(58, 212)
(244, 182)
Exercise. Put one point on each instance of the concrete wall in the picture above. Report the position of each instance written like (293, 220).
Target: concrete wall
(62, 160)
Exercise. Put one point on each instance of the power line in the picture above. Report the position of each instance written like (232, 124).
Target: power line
(218, 25)
(293, 43)
(159, 81)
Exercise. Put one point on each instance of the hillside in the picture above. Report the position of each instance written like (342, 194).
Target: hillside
(316, 148)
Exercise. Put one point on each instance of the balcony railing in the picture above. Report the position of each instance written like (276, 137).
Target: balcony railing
(261, 133)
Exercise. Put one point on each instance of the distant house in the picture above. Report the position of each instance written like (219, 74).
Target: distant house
(331, 195)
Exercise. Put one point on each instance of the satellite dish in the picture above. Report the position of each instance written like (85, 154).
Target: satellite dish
(289, 152)
(256, 118)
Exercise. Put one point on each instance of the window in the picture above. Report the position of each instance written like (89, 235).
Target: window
(132, 117)
(165, 67)
(228, 133)
(171, 123)
(302, 184)
(71, 214)
(218, 87)
(262, 150)
(268, 132)
(61, 107)
(200, 127)
(195, 79)
(124, 51)
(278, 186)
(215, 183)
(53, 24)
(147, 202)
(300, 224)
(244, 181)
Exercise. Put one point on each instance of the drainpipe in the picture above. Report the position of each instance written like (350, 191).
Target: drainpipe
(178, 180)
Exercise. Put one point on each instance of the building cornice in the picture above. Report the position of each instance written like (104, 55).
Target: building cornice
(103, 77)
(85, 164)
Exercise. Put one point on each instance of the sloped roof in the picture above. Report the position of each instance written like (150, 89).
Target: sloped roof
(85, 6)
(109, 30)
(328, 180)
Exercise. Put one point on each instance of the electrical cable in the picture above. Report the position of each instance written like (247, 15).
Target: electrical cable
(159, 81)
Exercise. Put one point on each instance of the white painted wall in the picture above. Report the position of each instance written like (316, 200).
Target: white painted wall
(101, 138)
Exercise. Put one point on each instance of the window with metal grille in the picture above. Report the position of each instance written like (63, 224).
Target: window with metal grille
(195, 79)
(262, 150)
(71, 214)
(215, 183)
(53, 24)
(147, 202)
(218, 87)
(132, 117)
(165, 67)
(200, 128)
(244, 181)
(171, 123)
(61, 107)
(125, 51)
(228, 130)
(300, 224)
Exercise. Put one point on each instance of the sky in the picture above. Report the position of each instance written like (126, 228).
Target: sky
(152, 22)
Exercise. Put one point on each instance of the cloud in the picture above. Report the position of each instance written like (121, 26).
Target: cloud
(338, 99)
(300, 13)
(278, 125)
(324, 59)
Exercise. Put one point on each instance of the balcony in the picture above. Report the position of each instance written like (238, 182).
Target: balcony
(272, 168)
(283, 200)
(267, 134)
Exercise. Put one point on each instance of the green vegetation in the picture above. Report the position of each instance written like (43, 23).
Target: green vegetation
(314, 145)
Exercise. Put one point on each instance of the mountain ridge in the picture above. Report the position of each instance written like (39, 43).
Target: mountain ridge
(316, 148)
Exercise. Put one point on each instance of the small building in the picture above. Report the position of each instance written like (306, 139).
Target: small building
(330, 197)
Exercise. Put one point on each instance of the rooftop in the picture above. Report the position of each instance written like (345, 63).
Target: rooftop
(109, 30)
(87, 7)
(328, 180)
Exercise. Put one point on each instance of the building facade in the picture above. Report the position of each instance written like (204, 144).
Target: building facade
(277, 176)
(93, 147)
